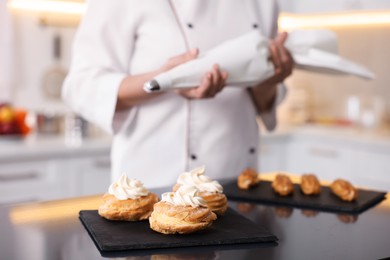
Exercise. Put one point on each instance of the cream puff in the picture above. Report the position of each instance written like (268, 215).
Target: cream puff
(127, 199)
(210, 190)
(247, 179)
(344, 190)
(181, 212)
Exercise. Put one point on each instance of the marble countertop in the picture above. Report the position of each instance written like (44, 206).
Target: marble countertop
(44, 147)
(347, 135)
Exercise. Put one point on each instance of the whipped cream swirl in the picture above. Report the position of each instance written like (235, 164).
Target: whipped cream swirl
(184, 196)
(202, 182)
(127, 189)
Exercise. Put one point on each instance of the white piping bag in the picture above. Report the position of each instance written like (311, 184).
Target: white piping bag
(246, 60)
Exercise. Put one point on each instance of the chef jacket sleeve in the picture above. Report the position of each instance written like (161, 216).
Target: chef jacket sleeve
(269, 117)
(270, 18)
(100, 58)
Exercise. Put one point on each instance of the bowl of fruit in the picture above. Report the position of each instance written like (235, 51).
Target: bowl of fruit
(12, 121)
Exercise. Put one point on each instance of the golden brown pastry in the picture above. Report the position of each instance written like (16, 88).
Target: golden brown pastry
(283, 185)
(310, 184)
(181, 212)
(216, 201)
(344, 190)
(247, 179)
(127, 200)
(210, 190)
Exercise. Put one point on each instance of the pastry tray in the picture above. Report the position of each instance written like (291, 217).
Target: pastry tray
(325, 201)
(230, 229)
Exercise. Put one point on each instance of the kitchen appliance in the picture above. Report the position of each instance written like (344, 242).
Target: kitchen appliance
(49, 123)
(54, 76)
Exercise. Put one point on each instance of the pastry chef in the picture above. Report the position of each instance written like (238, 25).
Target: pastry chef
(122, 44)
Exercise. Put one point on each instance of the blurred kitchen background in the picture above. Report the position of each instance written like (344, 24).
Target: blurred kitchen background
(331, 125)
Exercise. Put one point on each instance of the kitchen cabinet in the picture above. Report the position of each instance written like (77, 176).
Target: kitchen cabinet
(53, 179)
(327, 159)
(31, 181)
(372, 169)
(329, 6)
(362, 158)
(89, 176)
(47, 169)
(273, 154)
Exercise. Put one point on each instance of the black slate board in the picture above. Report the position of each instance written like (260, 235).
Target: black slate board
(232, 228)
(325, 201)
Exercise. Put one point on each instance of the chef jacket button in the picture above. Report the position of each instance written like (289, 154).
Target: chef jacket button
(255, 25)
(252, 150)
(189, 25)
(193, 156)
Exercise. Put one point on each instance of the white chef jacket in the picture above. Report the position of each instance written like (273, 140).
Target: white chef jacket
(159, 139)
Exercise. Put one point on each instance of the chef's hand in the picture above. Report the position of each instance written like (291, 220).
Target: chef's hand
(265, 93)
(281, 58)
(212, 82)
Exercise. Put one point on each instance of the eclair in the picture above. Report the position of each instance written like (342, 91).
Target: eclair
(310, 185)
(344, 190)
(247, 179)
(283, 185)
